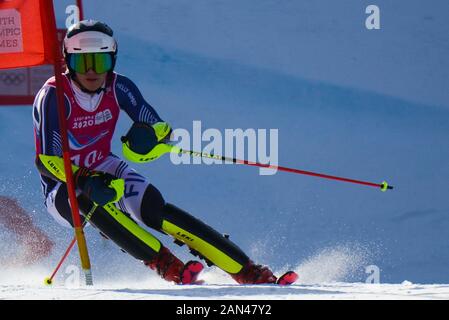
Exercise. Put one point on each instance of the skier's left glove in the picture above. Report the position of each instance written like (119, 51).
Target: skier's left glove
(100, 187)
(144, 142)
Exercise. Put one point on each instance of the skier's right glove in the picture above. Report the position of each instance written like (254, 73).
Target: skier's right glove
(100, 187)
(145, 143)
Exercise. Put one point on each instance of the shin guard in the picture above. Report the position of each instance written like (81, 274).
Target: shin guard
(122, 230)
(214, 247)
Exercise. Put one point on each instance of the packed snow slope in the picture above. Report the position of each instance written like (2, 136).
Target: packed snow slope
(152, 288)
(364, 104)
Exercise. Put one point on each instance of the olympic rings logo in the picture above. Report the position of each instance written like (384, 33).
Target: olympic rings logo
(12, 79)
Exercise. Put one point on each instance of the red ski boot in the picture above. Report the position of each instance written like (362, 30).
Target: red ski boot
(254, 274)
(170, 268)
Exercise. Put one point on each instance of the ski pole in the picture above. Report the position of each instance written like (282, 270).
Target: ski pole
(384, 186)
(49, 280)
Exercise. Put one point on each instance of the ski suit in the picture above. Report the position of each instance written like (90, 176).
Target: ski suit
(91, 121)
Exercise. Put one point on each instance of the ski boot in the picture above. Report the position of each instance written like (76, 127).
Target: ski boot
(170, 268)
(257, 274)
(254, 274)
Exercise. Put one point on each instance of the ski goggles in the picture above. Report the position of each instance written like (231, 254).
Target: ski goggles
(100, 62)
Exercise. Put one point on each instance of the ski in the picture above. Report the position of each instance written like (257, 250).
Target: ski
(190, 273)
(287, 278)
(192, 270)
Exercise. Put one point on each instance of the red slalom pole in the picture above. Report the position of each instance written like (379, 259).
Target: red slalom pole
(82, 245)
(383, 186)
(79, 4)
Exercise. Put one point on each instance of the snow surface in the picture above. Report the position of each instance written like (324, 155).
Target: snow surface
(369, 105)
(218, 287)
(322, 291)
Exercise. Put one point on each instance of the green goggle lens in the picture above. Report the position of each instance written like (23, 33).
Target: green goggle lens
(100, 62)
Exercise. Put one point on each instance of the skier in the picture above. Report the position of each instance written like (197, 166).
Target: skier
(94, 97)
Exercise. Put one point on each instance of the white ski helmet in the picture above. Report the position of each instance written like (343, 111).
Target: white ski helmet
(89, 36)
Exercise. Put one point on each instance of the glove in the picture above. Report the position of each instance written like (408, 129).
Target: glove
(163, 131)
(100, 187)
(144, 143)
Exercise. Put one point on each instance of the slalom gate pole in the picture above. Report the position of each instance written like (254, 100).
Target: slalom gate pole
(80, 238)
(79, 4)
(383, 186)
(49, 280)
